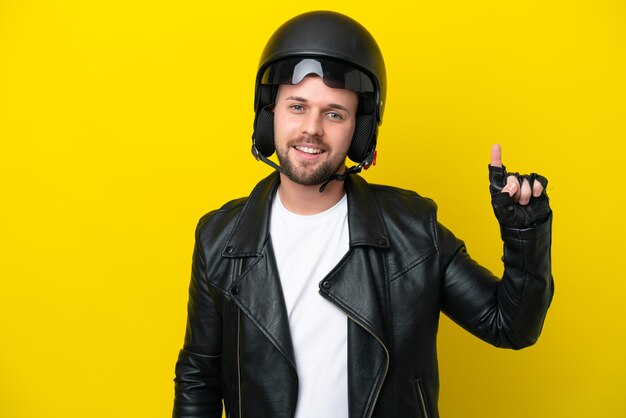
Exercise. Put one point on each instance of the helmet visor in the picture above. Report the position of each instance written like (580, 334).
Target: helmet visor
(334, 74)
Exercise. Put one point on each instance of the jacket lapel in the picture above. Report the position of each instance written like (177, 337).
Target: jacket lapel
(358, 286)
(257, 290)
(260, 297)
(358, 283)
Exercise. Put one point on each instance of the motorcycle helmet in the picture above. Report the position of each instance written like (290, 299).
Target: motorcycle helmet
(343, 54)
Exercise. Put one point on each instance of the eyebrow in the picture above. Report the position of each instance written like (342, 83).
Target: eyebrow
(332, 105)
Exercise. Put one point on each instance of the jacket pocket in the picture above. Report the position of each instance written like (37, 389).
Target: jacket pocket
(421, 398)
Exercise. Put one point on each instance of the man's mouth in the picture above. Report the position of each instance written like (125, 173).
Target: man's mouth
(308, 150)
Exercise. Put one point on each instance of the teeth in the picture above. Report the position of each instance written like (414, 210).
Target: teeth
(308, 150)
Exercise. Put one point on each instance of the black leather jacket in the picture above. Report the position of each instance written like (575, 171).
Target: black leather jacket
(402, 269)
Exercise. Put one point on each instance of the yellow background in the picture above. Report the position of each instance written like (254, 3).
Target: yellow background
(121, 123)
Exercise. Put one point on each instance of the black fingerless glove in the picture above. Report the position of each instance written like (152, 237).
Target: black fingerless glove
(514, 215)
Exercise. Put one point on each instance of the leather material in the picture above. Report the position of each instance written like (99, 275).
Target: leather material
(510, 214)
(402, 269)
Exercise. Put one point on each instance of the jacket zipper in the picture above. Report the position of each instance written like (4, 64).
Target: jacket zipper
(238, 351)
(420, 393)
(239, 362)
(380, 386)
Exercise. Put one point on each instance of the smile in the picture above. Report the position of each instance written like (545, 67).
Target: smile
(308, 150)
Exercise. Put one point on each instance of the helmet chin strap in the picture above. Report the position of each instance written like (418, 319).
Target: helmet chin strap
(365, 164)
(369, 160)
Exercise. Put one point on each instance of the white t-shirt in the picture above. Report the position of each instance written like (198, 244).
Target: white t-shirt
(307, 248)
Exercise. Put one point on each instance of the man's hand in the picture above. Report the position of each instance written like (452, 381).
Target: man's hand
(519, 201)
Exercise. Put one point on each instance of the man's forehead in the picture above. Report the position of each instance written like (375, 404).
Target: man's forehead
(313, 88)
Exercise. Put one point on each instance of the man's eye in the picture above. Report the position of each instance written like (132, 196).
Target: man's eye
(335, 115)
(296, 107)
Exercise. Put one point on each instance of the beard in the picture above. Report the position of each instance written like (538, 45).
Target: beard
(305, 173)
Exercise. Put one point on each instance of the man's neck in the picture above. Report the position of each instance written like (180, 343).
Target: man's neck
(307, 200)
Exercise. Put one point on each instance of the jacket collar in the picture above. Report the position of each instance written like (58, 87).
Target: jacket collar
(251, 230)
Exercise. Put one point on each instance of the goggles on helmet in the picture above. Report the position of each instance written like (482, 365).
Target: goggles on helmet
(334, 74)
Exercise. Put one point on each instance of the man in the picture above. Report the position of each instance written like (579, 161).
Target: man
(319, 294)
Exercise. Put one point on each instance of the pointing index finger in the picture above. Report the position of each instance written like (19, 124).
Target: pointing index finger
(496, 155)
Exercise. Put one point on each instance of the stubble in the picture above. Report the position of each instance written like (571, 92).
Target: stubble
(305, 173)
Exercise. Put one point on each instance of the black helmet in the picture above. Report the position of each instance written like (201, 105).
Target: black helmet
(343, 53)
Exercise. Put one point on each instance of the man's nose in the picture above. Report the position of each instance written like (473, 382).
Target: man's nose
(313, 124)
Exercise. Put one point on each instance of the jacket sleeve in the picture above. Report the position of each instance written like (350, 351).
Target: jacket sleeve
(508, 312)
(198, 369)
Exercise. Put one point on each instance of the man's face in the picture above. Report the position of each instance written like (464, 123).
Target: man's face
(313, 128)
